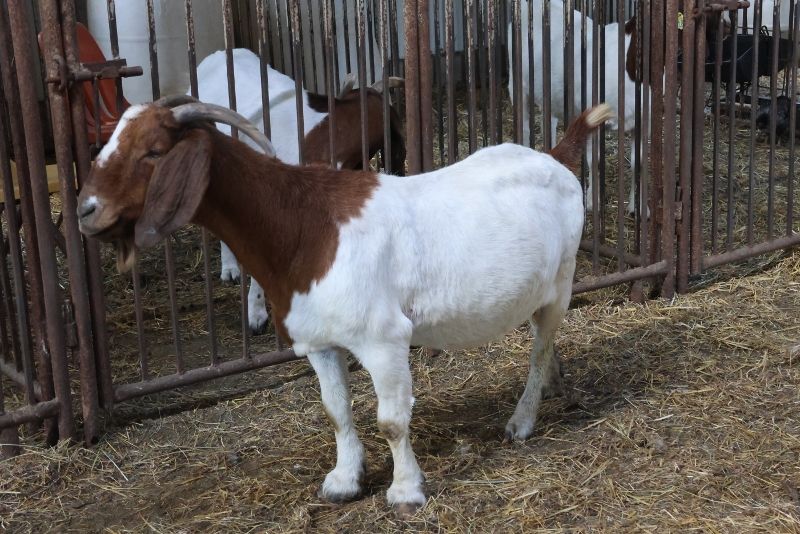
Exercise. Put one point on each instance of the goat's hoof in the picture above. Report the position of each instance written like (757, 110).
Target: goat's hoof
(340, 487)
(518, 431)
(231, 275)
(258, 330)
(406, 498)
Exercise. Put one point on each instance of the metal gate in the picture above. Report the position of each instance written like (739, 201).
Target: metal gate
(59, 296)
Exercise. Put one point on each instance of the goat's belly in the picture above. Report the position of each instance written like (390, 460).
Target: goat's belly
(477, 325)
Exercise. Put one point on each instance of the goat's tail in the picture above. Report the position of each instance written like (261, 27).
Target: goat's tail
(570, 150)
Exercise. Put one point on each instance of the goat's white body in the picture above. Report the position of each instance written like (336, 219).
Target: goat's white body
(557, 73)
(451, 258)
(464, 253)
(212, 79)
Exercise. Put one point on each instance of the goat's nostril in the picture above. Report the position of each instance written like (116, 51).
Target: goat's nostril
(86, 209)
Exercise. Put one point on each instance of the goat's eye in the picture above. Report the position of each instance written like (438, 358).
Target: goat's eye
(153, 154)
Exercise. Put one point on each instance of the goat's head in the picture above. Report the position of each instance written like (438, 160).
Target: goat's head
(149, 179)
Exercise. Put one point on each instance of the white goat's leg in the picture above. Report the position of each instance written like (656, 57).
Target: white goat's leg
(256, 308)
(632, 196)
(553, 130)
(589, 199)
(230, 266)
(544, 375)
(391, 376)
(344, 482)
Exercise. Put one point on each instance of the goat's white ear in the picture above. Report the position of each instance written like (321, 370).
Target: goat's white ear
(176, 188)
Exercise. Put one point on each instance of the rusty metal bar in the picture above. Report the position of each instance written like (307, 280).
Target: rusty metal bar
(754, 105)
(516, 65)
(361, 58)
(669, 129)
(597, 136)
(531, 80)
(297, 61)
(621, 139)
(746, 252)
(731, 141)
(91, 247)
(425, 85)
(329, 17)
(346, 31)
(30, 235)
(31, 414)
(656, 163)
(22, 37)
(313, 42)
(111, 10)
(773, 95)
(792, 120)
(264, 56)
(413, 124)
(642, 135)
(452, 117)
(383, 28)
(131, 391)
(472, 103)
(439, 77)
(569, 60)
(698, 111)
(547, 86)
(9, 437)
(205, 237)
(491, 27)
(715, 97)
(169, 254)
(78, 283)
(637, 273)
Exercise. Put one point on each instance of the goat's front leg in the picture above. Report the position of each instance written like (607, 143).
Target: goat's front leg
(230, 266)
(344, 482)
(391, 376)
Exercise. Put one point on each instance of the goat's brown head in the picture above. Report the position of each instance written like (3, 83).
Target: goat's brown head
(149, 179)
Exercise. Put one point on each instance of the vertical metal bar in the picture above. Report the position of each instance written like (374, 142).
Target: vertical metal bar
(601, 96)
(30, 236)
(732, 177)
(62, 130)
(754, 106)
(657, 161)
(697, 142)
(22, 37)
(394, 24)
(206, 238)
(686, 139)
(515, 71)
(425, 85)
(531, 79)
(439, 66)
(362, 79)
(773, 95)
(413, 134)
(547, 86)
(91, 247)
(485, 50)
(792, 121)
(569, 60)
(313, 47)
(516, 65)
(715, 97)
(371, 39)
(383, 28)
(669, 128)
(330, 19)
(642, 132)
(471, 97)
(597, 60)
(9, 437)
(264, 55)
(169, 254)
(452, 118)
(621, 140)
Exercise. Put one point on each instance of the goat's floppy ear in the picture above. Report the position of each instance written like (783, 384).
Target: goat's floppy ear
(176, 188)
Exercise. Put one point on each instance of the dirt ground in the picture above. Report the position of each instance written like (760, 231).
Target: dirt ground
(682, 416)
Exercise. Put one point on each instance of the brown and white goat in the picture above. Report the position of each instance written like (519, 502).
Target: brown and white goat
(363, 262)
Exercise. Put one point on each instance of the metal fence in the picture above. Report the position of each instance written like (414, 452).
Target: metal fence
(698, 82)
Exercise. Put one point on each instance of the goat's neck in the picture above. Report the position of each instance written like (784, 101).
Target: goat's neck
(281, 221)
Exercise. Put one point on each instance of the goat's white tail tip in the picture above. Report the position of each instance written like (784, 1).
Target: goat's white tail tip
(599, 114)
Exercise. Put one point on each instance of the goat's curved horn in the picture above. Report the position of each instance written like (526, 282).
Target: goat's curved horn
(197, 111)
(392, 82)
(171, 101)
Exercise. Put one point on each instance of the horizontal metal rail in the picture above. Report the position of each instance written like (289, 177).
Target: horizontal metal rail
(154, 385)
(747, 252)
(30, 414)
(591, 283)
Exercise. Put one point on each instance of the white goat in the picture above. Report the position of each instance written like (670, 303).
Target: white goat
(358, 261)
(557, 74)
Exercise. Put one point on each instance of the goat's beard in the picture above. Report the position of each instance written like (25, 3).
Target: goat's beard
(126, 255)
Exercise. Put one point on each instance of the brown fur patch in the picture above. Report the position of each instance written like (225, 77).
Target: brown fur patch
(282, 222)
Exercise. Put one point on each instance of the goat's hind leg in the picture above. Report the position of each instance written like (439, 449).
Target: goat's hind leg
(256, 308)
(230, 266)
(344, 482)
(544, 374)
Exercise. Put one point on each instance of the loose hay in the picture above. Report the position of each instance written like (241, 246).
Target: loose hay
(684, 415)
